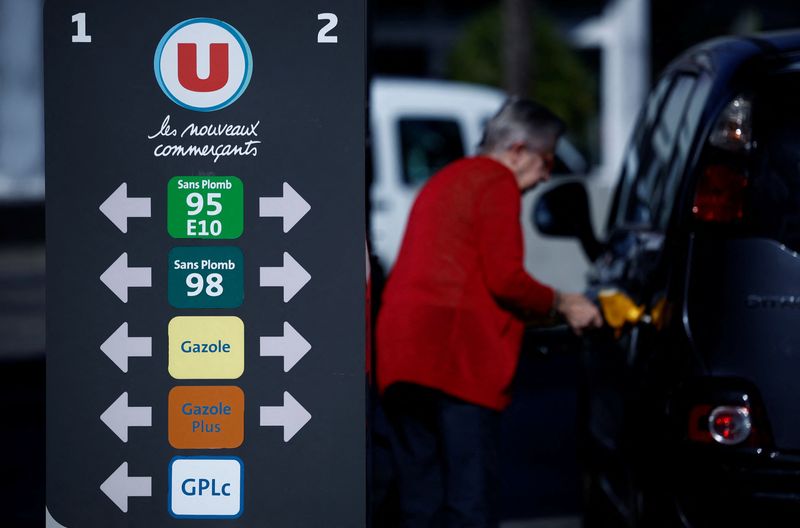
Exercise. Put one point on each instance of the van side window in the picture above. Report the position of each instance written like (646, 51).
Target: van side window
(427, 145)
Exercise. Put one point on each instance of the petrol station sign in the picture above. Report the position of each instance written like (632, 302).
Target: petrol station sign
(205, 253)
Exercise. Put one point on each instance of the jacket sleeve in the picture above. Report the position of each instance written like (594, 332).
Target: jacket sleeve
(501, 251)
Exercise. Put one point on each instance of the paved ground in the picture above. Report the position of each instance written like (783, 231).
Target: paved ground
(22, 381)
(554, 522)
(539, 470)
(538, 463)
(22, 404)
(22, 298)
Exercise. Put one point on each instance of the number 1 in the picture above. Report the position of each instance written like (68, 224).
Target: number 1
(81, 37)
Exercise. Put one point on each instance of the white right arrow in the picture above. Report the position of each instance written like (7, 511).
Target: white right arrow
(119, 277)
(291, 277)
(118, 207)
(291, 416)
(291, 345)
(291, 207)
(119, 487)
(119, 347)
(118, 417)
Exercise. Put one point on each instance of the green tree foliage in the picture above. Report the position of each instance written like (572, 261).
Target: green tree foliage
(561, 80)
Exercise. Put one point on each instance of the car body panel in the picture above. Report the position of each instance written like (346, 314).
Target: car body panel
(744, 310)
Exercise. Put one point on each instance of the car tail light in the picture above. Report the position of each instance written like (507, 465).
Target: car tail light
(720, 195)
(733, 129)
(730, 425)
(698, 424)
(725, 425)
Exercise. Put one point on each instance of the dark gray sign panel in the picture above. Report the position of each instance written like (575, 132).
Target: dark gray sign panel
(205, 254)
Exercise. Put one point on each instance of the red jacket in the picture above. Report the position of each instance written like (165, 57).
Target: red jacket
(446, 319)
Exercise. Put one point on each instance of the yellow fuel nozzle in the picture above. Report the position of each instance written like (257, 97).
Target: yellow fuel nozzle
(619, 309)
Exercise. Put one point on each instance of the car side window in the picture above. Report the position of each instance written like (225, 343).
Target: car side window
(686, 134)
(427, 145)
(630, 167)
(655, 154)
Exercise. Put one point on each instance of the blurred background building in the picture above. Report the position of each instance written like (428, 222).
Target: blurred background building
(21, 110)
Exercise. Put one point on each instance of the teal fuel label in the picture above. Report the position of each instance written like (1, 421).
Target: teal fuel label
(206, 277)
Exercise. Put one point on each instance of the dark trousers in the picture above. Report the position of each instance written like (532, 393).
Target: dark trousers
(445, 454)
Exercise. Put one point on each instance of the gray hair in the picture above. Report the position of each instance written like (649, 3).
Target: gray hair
(523, 121)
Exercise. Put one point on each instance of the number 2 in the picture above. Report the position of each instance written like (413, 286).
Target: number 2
(81, 37)
(322, 36)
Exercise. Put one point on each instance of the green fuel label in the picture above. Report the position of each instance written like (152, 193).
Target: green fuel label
(207, 207)
(206, 277)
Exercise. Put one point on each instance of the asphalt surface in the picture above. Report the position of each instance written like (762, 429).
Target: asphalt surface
(555, 522)
(539, 473)
(22, 302)
(538, 464)
(22, 382)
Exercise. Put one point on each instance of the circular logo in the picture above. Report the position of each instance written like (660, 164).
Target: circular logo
(203, 64)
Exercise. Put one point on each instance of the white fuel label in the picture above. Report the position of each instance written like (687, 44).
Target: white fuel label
(206, 487)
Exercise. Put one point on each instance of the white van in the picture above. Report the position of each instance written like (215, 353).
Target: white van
(420, 125)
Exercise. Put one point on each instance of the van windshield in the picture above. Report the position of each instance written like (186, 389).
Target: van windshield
(427, 145)
(774, 187)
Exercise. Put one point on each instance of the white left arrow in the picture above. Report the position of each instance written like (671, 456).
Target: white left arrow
(119, 277)
(291, 277)
(119, 416)
(119, 487)
(291, 346)
(118, 207)
(291, 207)
(291, 416)
(120, 346)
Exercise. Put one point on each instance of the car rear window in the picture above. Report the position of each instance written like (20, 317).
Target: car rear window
(774, 188)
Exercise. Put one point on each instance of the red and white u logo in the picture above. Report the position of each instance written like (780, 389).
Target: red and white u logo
(217, 67)
(203, 64)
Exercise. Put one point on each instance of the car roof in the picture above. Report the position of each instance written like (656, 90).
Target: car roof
(785, 41)
(724, 55)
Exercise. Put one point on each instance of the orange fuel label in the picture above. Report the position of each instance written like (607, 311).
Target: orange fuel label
(206, 417)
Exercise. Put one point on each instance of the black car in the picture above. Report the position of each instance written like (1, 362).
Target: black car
(690, 405)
